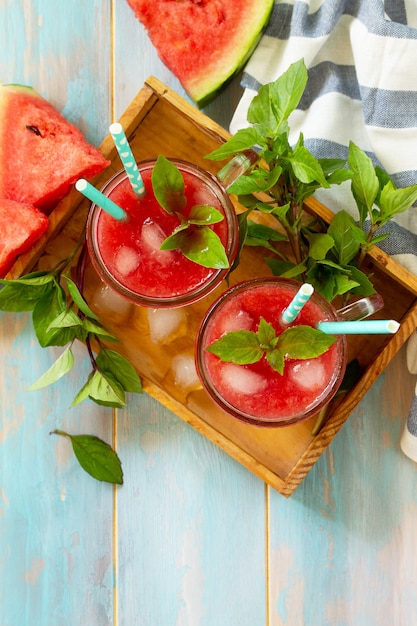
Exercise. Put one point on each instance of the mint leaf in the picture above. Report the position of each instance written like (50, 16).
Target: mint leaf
(102, 389)
(106, 390)
(95, 328)
(320, 244)
(168, 185)
(79, 300)
(276, 360)
(22, 294)
(341, 229)
(393, 201)
(114, 363)
(61, 367)
(96, 457)
(266, 334)
(46, 310)
(274, 102)
(365, 184)
(307, 168)
(239, 346)
(243, 139)
(304, 342)
(199, 244)
(67, 319)
(203, 214)
(258, 180)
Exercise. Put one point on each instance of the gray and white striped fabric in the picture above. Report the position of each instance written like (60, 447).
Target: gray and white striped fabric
(361, 57)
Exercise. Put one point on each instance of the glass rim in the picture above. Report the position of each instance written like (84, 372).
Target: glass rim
(228, 407)
(187, 297)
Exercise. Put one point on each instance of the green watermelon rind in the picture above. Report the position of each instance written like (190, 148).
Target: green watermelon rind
(203, 91)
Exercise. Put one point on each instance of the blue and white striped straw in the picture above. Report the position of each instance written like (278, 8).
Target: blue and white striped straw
(363, 327)
(127, 158)
(93, 194)
(301, 297)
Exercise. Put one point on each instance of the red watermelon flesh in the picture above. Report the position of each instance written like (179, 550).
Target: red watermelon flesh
(21, 225)
(203, 42)
(41, 153)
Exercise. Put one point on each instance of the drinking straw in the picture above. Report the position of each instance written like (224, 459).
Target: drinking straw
(127, 158)
(362, 308)
(303, 294)
(100, 199)
(363, 327)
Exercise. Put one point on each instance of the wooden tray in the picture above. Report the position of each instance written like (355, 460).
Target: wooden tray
(160, 122)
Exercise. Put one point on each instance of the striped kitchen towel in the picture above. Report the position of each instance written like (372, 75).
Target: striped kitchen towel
(361, 57)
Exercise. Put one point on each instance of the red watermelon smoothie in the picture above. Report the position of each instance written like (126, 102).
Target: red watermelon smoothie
(127, 255)
(256, 393)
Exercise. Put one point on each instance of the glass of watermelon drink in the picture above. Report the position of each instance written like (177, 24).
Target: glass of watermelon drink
(256, 393)
(127, 255)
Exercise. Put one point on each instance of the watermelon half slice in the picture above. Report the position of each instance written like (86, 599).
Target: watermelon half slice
(41, 153)
(21, 224)
(203, 42)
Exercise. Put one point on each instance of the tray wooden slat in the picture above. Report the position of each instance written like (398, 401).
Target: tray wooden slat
(158, 121)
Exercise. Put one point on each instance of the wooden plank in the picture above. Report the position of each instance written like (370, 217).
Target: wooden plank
(55, 565)
(354, 561)
(186, 509)
(187, 515)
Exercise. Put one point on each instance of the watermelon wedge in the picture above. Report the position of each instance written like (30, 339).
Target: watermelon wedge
(21, 224)
(41, 153)
(203, 42)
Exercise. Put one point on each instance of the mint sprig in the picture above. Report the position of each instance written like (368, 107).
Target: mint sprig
(193, 237)
(328, 257)
(244, 347)
(58, 320)
(60, 316)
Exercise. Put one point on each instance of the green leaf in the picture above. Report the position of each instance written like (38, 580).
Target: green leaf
(365, 184)
(79, 300)
(266, 334)
(285, 268)
(243, 139)
(276, 360)
(393, 201)
(273, 104)
(304, 342)
(104, 390)
(363, 286)
(202, 214)
(61, 367)
(307, 168)
(261, 231)
(120, 368)
(34, 279)
(343, 229)
(22, 294)
(201, 245)
(107, 391)
(96, 457)
(97, 329)
(66, 319)
(168, 185)
(320, 244)
(83, 393)
(47, 309)
(258, 180)
(239, 346)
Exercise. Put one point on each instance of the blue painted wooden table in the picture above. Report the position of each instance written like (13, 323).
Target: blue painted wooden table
(192, 538)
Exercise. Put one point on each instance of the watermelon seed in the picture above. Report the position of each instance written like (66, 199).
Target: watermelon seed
(34, 129)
